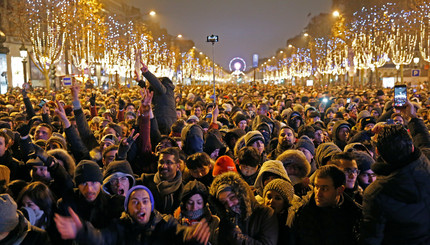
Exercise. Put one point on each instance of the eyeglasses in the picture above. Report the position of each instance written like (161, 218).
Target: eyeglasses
(352, 171)
(115, 181)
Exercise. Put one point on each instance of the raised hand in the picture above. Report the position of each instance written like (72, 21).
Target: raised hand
(125, 145)
(145, 105)
(75, 88)
(409, 111)
(200, 233)
(121, 103)
(68, 227)
(144, 67)
(45, 109)
(24, 90)
(60, 112)
(93, 99)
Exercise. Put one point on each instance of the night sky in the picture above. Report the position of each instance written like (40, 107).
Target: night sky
(244, 27)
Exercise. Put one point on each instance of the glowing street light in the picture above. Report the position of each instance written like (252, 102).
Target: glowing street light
(336, 14)
(180, 36)
(152, 13)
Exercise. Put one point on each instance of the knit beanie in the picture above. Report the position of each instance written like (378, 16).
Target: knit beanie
(283, 187)
(138, 187)
(306, 142)
(324, 152)
(364, 160)
(253, 136)
(87, 171)
(8, 214)
(238, 118)
(222, 165)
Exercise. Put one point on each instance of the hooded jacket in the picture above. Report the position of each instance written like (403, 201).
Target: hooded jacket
(335, 133)
(257, 224)
(192, 136)
(324, 152)
(117, 169)
(396, 205)
(271, 166)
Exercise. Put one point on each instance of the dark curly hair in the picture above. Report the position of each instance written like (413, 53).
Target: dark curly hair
(394, 143)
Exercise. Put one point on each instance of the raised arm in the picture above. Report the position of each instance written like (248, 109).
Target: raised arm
(153, 80)
(85, 132)
(79, 150)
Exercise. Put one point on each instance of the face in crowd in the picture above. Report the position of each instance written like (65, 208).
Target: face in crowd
(326, 195)
(194, 203)
(230, 201)
(167, 167)
(274, 200)
(90, 190)
(42, 133)
(120, 185)
(139, 206)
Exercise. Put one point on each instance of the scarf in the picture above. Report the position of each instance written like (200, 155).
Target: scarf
(167, 188)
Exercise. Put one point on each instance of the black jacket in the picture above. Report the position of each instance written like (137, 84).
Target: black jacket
(163, 100)
(327, 226)
(18, 169)
(100, 212)
(396, 206)
(160, 230)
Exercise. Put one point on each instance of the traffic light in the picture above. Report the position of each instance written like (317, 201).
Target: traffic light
(52, 70)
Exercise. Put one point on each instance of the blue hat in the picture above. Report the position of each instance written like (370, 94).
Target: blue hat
(127, 197)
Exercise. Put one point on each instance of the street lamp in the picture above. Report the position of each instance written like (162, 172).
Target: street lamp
(152, 13)
(416, 60)
(336, 13)
(23, 53)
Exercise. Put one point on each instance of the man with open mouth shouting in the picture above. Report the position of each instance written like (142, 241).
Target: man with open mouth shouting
(118, 178)
(139, 224)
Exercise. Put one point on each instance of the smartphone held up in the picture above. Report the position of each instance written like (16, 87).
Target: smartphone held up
(400, 96)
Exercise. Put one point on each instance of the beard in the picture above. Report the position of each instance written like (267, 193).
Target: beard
(286, 144)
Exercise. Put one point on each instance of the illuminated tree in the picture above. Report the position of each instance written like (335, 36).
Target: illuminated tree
(44, 24)
(87, 34)
(424, 40)
(403, 33)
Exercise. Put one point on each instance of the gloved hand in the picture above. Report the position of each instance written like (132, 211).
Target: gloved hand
(121, 104)
(125, 146)
(23, 129)
(41, 153)
(93, 99)
(141, 84)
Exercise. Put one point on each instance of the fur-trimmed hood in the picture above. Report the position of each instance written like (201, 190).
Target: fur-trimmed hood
(238, 187)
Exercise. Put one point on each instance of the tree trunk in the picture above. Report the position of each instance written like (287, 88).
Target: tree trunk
(47, 80)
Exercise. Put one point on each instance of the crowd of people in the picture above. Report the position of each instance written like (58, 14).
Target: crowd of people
(258, 164)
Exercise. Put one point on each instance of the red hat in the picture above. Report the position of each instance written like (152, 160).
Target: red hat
(223, 164)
